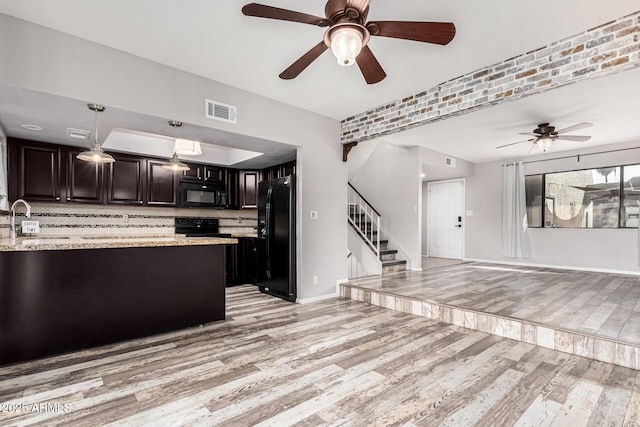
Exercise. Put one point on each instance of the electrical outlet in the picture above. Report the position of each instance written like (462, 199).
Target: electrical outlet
(314, 214)
(315, 280)
(125, 218)
(30, 227)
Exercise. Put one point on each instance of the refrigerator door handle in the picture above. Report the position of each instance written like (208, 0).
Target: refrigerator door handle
(267, 229)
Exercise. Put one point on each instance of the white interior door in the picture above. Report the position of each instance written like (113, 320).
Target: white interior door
(445, 206)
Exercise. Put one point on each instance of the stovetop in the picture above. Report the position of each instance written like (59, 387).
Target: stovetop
(199, 227)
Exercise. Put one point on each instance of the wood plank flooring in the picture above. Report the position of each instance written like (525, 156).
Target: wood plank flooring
(599, 304)
(330, 363)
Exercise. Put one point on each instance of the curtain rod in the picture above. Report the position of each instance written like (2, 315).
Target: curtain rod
(575, 155)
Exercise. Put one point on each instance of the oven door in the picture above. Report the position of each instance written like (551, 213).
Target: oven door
(197, 195)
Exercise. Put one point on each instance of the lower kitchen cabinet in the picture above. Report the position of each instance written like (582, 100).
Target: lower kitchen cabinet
(244, 261)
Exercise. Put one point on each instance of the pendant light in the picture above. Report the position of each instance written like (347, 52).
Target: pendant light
(96, 154)
(174, 164)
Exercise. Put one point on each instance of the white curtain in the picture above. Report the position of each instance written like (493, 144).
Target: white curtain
(4, 193)
(515, 230)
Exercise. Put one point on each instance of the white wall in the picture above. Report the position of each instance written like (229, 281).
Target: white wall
(597, 249)
(435, 169)
(390, 180)
(41, 59)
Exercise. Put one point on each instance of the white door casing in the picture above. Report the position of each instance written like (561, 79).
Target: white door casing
(446, 219)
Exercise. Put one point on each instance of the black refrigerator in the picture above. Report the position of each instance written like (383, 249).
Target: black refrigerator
(277, 225)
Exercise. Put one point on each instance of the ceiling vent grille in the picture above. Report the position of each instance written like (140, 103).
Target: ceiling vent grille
(78, 133)
(219, 111)
(450, 161)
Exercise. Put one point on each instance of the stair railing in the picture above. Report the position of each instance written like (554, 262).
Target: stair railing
(364, 218)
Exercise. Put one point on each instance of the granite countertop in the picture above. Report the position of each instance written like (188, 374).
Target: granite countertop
(52, 243)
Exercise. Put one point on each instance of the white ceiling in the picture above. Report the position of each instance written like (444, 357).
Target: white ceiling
(213, 39)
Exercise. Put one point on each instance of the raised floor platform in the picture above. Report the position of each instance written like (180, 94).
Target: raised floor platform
(595, 315)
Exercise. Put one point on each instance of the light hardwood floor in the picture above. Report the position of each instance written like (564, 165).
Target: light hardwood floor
(598, 304)
(336, 362)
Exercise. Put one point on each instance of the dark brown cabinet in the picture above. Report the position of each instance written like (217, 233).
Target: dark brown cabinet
(126, 180)
(35, 171)
(248, 189)
(84, 179)
(243, 261)
(212, 174)
(233, 195)
(162, 185)
(279, 171)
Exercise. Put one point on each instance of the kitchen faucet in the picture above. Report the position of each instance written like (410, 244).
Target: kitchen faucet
(13, 215)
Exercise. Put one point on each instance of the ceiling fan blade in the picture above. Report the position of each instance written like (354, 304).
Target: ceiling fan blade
(357, 4)
(514, 143)
(263, 11)
(579, 126)
(578, 138)
(303, 62)
(370, 67)
(529, 134)
(427, 32)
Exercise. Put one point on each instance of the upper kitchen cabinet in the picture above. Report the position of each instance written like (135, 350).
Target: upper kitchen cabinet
(126, 180)
(84, 179)
(233, 194)
(35, 171)
(248, 189)
(212, 174)
(279, 171)
(162, 185)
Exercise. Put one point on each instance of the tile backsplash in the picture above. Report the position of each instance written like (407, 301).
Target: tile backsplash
(58, 219)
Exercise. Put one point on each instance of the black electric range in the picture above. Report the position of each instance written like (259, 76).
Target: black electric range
(199, 227)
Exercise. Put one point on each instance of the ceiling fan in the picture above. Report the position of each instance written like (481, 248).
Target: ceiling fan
(545, 134)
(349, 32)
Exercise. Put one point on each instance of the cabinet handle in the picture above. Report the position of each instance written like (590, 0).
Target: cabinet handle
(140, 202)
(58, 198)
(68, 198)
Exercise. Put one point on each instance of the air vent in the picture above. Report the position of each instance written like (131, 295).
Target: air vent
(78, 133)
(450, 161)
(219, 111)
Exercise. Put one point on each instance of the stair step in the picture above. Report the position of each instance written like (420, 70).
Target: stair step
(394, 266)
(387, 255)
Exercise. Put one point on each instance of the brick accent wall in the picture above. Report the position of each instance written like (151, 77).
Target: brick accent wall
(610, 48)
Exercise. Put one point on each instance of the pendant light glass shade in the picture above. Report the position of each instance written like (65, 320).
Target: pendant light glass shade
(187, 147)
(96, 154)
(175, 165)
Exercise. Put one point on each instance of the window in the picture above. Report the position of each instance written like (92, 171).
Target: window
(607, 197)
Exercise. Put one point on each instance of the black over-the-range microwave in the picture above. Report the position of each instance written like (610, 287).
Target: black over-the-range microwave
(202, 195)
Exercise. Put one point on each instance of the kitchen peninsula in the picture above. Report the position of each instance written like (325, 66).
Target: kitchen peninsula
(60, 294)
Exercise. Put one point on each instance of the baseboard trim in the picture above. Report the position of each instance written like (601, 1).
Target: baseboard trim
(559, 267)
(316, 299)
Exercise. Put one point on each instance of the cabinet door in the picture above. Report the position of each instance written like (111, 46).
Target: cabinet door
(249, 189)
(288, 169)
(84, 179)
(233, 194)
(126, 180)
(162, 185)
(196, 173)
(250, 260)
(214, 174)
(37, 171)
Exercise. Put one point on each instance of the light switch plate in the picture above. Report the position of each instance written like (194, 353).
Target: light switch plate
(30, 227)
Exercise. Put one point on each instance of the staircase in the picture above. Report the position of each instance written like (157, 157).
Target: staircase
(365, 220)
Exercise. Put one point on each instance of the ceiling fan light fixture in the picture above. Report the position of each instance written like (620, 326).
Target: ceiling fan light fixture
(187, 147)
(544, 143)
(346, 44)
